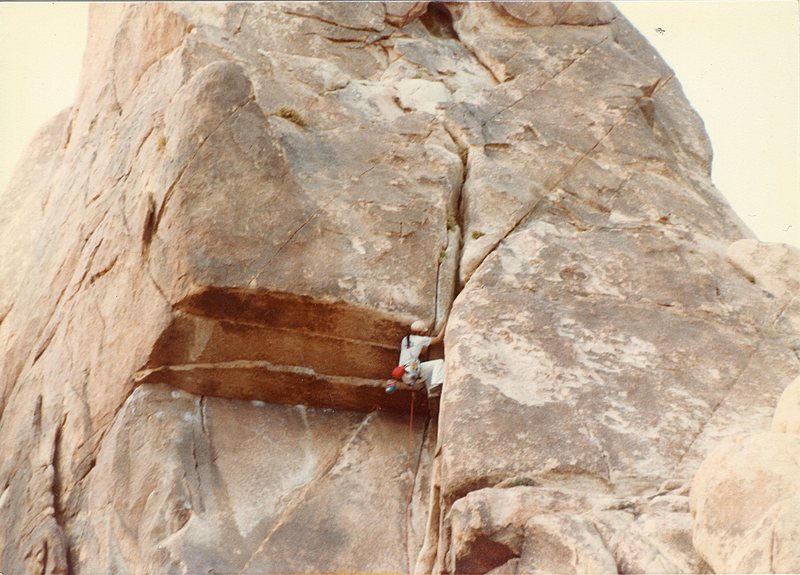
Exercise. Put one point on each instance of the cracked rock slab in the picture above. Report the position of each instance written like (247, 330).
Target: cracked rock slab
(233, 486)
(568, 357)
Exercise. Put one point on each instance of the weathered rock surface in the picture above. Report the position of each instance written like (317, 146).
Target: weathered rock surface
(527, 529)
(254, 201)
(602, 341)
(200, 472)
(745, 497)
(746, 504)
(775, 267)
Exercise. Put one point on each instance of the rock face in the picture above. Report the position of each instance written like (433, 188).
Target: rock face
(761, 467)
(281, 488)
(530, 529)
(209, 260)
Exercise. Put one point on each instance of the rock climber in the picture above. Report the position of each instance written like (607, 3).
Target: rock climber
(411, 373)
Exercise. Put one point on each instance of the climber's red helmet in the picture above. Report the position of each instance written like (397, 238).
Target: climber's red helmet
(398, 372)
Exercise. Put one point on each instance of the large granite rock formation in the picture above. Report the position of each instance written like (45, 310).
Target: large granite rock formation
(746, 495)
(209, 260)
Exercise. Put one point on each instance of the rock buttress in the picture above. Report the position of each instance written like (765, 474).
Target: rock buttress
(602, 342)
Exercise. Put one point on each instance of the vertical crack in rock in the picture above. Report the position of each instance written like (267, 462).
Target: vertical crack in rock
(410, 499)
(160, 290)
(483, 64)
(300, 495)
(203, 424)
(4, 314)
(56, 489)
(772, 542)
(200, 419)
(44, 344)
(36, 421)
(447, 268)
(87, 267)
(430, 541)
(612, 549)
(245, 13)
(107, 268)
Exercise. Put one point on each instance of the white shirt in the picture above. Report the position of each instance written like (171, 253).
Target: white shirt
(410, 348)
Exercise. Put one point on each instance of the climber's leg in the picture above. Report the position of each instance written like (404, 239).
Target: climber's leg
(433, 373)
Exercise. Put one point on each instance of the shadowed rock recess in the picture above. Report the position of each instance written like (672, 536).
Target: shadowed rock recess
(207, 264)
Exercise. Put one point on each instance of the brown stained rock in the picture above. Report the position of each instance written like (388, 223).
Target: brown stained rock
(193, 339)
(280, 384)
(322, 263)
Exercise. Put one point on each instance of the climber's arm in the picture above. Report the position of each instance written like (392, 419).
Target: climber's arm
(440, 336)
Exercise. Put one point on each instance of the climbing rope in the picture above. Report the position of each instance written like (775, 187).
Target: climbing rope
(411, 473)
(411, 444)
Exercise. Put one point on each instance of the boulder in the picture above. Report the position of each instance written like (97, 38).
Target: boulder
(745, 504)
(787, 413)
(525, 528)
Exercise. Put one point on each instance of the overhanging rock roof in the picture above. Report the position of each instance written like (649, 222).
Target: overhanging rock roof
(295, 255)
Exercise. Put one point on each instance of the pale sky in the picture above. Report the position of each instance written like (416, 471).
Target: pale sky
(738, 62)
